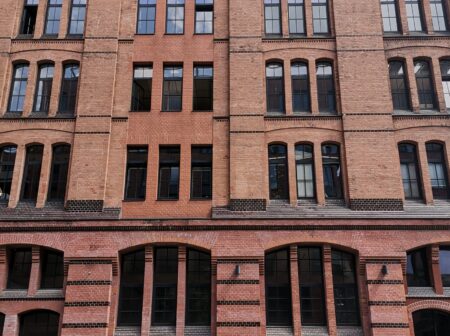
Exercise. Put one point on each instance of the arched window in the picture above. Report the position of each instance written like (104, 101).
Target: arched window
(444, 262)
(7, 161)
(278, 288)
(431, 323)
(304, 159)
(325, 87)
(399, 85)
(18, 88)
(345, 289)
(332, 172)
(300, 87)
(44, 88)
(410, 171)
(438, 170)
(278, 172)
(69, 88)
(272, 14)
(52, 263)
(425, 85)
(2, 323)
(417, 274)
(32, 173)
(275, 87)
(39, 323)
(445, 71)
(131, 289)
(59, 172)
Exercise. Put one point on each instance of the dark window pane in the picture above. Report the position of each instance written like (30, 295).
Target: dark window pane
(7, 162)
(29, 15)
(272, 13)
(431, 323)
(172, 88)
(2, 323)
(410, 171)
(438, 170)
(32, 173)
(44, 88)
(53, 17)
(59, 172)
(39, 323)
(77, 17)
(275, 88)
(399, 86)
(204, 16)
(325, 88)
(332, 174)
(278, 172)
(175, 17)
(417, 269)
(19, 268)
(146, 17)
(169, 172)
(18, 88)
(69, 88)
(425, 85)
(142, 88)
(201, 174)
(136, 177)
(203, 88)
(52, 269)
(320, 16)
(300, 87)
(444, 262)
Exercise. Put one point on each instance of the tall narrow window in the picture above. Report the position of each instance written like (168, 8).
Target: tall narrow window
(18, 88)
(131, 294)
(296, 17)
(77, 17)
(53, 17)
(203, 88)
(410, 171)
(438, 15)
(204, 16)
(305, 171)
(399, 86)
(44, 88)
(32, 173)
(19, 268)
(320, 17)
(425, 85)
(29, 15)
(69, 88)
(444, 262)
(278, 289)
(7, 162)
(142, 88)
(275, 88)
(414, 15)
(169, 173)
(173, 88)
(345, 289)
(39, 323)
(389, 15)
(165, 278)
(198, 291)
(136, 179)
(417, 274)
(272, 13)
(52, 276)
(431, 323)
(59, 172)
(300, 87)
(175, 17)
(325, 87)
(2, 323)
(278, 172)
(201, 175)
(438, 170)
(445, 70)
(146, 17)
(312, 293)
(332, 174)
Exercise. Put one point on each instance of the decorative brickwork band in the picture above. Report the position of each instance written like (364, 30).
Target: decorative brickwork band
(238, 303)
(87, 304)
(32, 299)
(238, 282)
(391, 325)
(238, 324)
(84, 325)
(90, 262)
(248, 205)
(384, 204)
(385, 282)
(89, 283)
(388, 303)
(84, 205)
(238, 261)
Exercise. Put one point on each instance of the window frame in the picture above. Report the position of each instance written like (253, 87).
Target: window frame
(419, 4)
(175, 5)
(202, 165)
(11, 281)
(50, 197)
(274, 81)
(283, 163)
(445, 81)
(306, 80)
(37, 314)
(326, 80)
(70, 82)
(165, 107)
(58, 270)
(22, 81)
(310, 161)
(26, 167)
(340, 178)
(319, 4)
(272, 4)
(136, 107)
(33, 3)
(72, 5)
(387, 3)
(49, 6)
(200, 78)
(295, 5)
(169, 165)
(139, 7)
(444, 17)
(412, 278)
(443, 162)
(417, 169)
(398, 92)
(50, 88)
(134, 165)
(10, 171)
(203, 8)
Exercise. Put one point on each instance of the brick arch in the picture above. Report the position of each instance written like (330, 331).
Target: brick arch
(429, 305)
(159, 243)
(333, 245)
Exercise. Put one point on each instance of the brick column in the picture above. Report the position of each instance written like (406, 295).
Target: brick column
(31, 84)
(284, 18)
(35, 278)
(437, 74)
(17, 176)
(213, 297)
(148, 292)
(402, 17)
(318, 174)
(426, 182)
(56, 88)
(295, 290)
(262, 289)
(64, 23)
(11, 327)
(427, 19)
(329, 291)
(412, 85)
(3, 268)
(45, 176)
(308, 18)
(40, 19)
(181, 291)
(292, 178)
(435, 270)
(288, 87)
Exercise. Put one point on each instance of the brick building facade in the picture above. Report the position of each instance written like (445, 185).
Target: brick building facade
(227, 167)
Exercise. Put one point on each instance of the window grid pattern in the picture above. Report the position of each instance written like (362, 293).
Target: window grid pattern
(417, 269)
(201, 175)
(438, 171)
(29, 15)
(414, 15)
(425, 85)
(296, 10)
(39, 323)
(325, 88)
(18, 88)
(278, 172)
(389, 16)
(320, 17)
(204, 16)
(399, 86)
(203, 88)
(410, 171)
(445, 71)
(142, 88)
(69, 88)
(19, 269)
(169, 173)
(332, 174)
(7, 162)
(136, 176)
(59, 173)
(305, 171)
(146, 17)
(32, 173)
(275, 88)
(272, 15)
(52, 270)
(300, 88)
(444, 265)
(77, 17)
(438, 16)
(44, 88)
(173, 88)
(175, 17)
(53, 17)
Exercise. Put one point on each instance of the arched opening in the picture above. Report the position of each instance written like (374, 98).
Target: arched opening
(39, 323)
(278, 172)
(431, 323)
(2, 323)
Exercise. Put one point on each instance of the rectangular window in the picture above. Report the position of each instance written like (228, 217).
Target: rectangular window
(312, 293)
(320, 17)
(417, 269)
(445, 71)
(165, 279)
(146, 17)
(44, 88)
(305, 171)
(278, 172)
(410, 171)
(32, 173)
(29, 15)
(69, 88)
(201, 174)
(7, 162)
(203, 88)
(175, 17)
(425, 85)
(77, 17)
(296, 17)
(198, 291)
(389, 15)
(437, 166)
(444, 263)
(142, 88)
(204, 16)
(438, 15)
(325, 87)
(136, 177)
(272, 14)
(53, 17)
(300, 87)
(59, 173)
(169, 172)
(173, 88)
(399, 86)
(332, 174)
(19, 268)
(414, 15)
(18, 88)
(275, 88)
(52, 269)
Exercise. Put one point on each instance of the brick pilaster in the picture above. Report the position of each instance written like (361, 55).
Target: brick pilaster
(329, 291)
(148, 292)
(181, 291)
(3, 268)
(295, 291)
(436, 277)
(35, 276)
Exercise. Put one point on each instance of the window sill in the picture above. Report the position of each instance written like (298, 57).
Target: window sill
(133, 200)
(75, 37)
(203, 34)
(167, 200)
(171, 111)
(131, 111)
(144, 34)
(174, 34)
(202, 111)
(200, 199)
